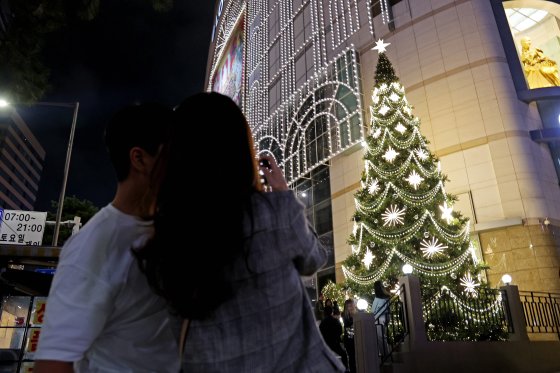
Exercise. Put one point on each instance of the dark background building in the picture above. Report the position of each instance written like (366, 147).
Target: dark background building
(21, 163)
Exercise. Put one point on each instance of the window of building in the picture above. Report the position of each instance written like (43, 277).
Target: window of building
(271, 4)
(304, 65)
(274, 22)
(275, 95)
(274, 59)
(530, 33)
(383, 8)
(378, 5)
(298, 3)
(314, 191)
(343, 20)
(299, 31)
(303, 45)
(535, 29)
(324, 118)
(317, 140)
(18, 134)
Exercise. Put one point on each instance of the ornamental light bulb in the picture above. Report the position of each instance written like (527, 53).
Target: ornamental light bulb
(407, 269)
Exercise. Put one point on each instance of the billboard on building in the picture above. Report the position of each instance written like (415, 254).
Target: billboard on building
(228, 77)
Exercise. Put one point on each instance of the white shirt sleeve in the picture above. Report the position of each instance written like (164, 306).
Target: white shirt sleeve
(78, 306)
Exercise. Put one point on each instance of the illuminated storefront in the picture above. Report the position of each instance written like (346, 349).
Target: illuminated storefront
(21, 319)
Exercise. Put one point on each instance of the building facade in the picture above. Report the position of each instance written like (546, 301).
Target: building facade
(21, 163)
(480, 75)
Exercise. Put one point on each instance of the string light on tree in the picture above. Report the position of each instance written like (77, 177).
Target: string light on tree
(446, 212)
(400, 128)
(470, 285)
(406, 216)
(368, 258)
(422, 154)
(393, 216)
(375, 96)
(414, 179)
(390, 155)
(373, 187)
(384, 110)
(431, 247)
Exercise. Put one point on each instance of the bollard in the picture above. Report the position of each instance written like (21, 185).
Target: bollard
(516, 313)
(365, 342)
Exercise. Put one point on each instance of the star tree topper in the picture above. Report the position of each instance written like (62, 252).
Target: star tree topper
(380, 46)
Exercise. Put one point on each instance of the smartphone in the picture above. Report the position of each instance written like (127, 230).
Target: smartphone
(263, 163)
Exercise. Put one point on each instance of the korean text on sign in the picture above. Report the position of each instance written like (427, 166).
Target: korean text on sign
(22, 227)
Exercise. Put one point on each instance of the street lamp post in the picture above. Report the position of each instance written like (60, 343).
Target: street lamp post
(75, 106)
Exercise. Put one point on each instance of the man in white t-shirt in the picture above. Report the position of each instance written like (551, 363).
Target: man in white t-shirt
(101, 314)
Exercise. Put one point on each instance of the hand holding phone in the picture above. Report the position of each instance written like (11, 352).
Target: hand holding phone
(271, 175)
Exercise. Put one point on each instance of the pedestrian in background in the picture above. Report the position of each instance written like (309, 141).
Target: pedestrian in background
(331, 330)
(101, 314)
(336, 309)
(348, 318)
(319, 308)
(241, 289)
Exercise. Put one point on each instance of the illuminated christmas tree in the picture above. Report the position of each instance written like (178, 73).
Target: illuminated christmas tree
(403, 213)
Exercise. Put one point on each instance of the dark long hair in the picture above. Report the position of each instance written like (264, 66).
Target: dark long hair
(380, 291)
(199, 235)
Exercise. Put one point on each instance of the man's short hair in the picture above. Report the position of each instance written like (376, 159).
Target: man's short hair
(144, 125)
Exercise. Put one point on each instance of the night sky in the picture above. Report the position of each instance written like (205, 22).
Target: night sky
(129, 53)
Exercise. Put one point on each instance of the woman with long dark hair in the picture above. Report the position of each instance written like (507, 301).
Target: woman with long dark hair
(348, 313)
(240, 289)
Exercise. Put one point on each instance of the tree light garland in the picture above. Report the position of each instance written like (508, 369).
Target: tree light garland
(404, 212)
(494, 307)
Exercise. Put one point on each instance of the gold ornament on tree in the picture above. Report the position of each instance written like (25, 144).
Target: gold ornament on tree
(540, 70)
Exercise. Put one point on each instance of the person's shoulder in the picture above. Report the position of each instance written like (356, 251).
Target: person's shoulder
(93, 238)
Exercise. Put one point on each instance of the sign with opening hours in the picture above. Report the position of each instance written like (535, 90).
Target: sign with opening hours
(22, 227)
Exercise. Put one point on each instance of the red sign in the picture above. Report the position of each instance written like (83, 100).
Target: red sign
(39, 312)
(33, 340)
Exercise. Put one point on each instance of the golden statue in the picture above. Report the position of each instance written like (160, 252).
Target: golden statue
(540, 71)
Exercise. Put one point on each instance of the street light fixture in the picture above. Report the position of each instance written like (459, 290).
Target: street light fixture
(76, 106)
(361, 304)
(407, 269)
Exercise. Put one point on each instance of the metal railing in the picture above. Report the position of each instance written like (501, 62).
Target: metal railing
(542, 311)
(392, 331)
